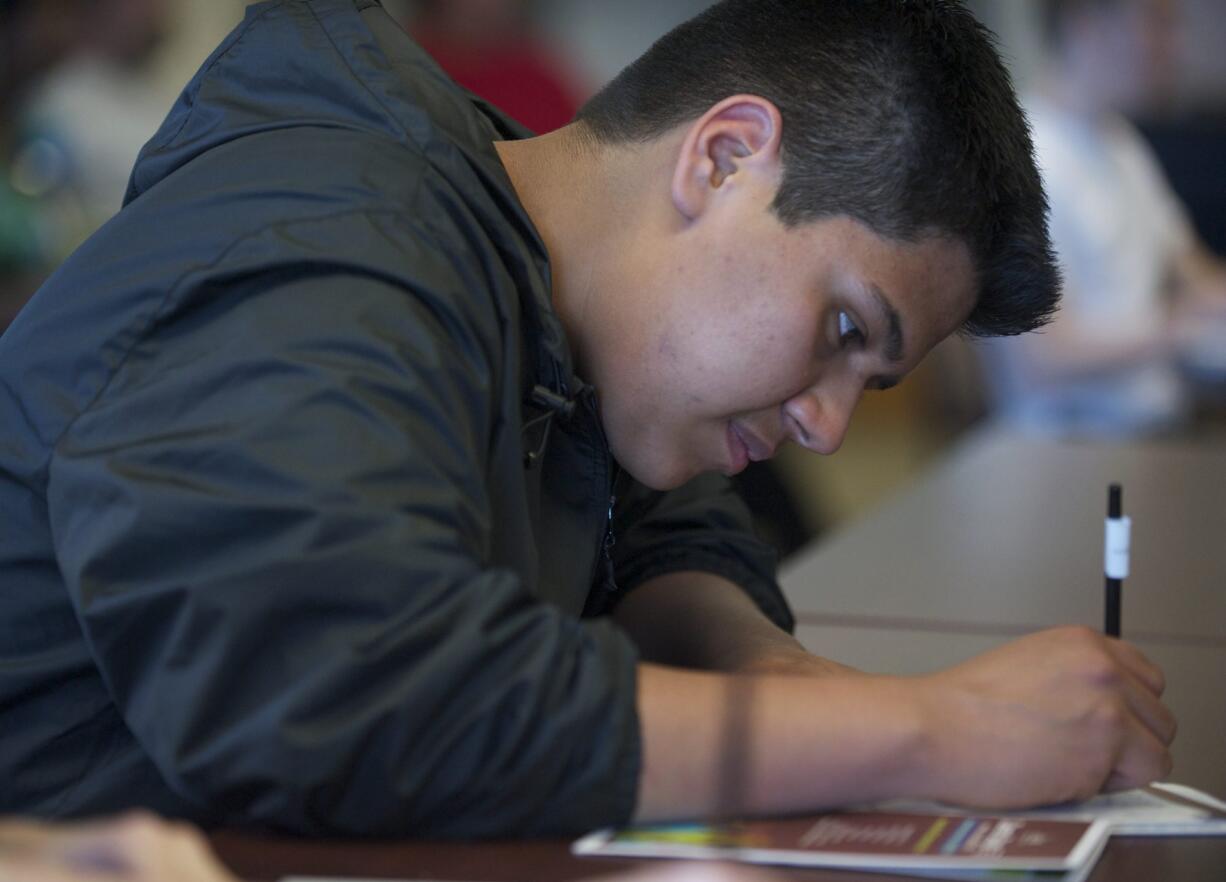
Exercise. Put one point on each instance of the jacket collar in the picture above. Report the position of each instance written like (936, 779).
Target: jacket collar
(381, 54)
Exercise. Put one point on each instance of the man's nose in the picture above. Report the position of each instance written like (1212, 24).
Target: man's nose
(818, 417)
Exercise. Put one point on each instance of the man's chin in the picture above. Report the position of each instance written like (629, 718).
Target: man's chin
(658, 481)
(655, 475)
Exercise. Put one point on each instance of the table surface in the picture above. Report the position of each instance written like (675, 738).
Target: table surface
(1005, 537)
(1126, 859)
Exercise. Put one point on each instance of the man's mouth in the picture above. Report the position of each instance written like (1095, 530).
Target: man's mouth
(756, 449)
(738, 451)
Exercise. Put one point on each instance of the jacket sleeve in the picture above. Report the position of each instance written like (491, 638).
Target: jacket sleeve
(273, 522)
(703, 525)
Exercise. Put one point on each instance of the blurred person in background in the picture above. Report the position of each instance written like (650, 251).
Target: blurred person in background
(34, 35)
(489, 47)
(97, 108)
(74, 110)
(1142, 292)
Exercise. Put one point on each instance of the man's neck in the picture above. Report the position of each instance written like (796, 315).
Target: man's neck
(565, 185)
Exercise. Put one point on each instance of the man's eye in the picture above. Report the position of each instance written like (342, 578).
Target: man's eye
(849, 333)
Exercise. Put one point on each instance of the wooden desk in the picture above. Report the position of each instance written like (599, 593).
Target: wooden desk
(1004, 538)
(1126, 860)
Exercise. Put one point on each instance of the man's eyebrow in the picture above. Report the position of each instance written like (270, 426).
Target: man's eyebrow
(895, 346)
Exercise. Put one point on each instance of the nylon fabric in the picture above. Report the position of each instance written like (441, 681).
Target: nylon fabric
(271, 556)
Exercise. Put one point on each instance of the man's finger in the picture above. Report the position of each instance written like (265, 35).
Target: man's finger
(1143, 759)
(1139, 665)
(29, 866)
(1150, 710)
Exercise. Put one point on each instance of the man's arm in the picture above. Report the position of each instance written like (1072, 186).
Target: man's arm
(1200, 277)
(1074, 347)
(701, 620)
(1057, 715)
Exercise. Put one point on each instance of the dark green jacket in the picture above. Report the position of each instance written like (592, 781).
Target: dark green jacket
(274, 549)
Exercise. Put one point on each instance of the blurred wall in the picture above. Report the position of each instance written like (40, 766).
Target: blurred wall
(1203, 71)
(1188, 132)
(1201, 66)
(602, 37)
(198, 28)
(1017, 26)
(605, 36)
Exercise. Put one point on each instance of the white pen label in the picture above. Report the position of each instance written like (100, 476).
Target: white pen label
(1115, 554)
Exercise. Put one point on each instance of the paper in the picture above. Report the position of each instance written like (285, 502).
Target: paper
(1160, 810)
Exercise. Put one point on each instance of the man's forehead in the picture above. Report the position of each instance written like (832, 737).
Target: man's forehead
(927, 297)
(920, 285)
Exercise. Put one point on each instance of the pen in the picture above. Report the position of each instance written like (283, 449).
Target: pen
(1115, 557)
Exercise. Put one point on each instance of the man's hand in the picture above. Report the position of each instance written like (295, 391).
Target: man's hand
(1055, 716)
(137, 847)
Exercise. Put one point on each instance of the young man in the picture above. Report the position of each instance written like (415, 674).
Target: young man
(361, 476)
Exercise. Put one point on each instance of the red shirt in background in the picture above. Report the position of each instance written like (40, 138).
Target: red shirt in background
(518, 76)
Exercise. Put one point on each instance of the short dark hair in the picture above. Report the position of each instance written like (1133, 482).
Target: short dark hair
(898, 113)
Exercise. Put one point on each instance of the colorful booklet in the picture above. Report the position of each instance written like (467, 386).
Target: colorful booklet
(959, 846)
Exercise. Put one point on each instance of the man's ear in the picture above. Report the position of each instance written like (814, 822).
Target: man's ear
(738, 136)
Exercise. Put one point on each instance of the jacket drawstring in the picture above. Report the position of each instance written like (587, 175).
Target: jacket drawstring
(554, 405)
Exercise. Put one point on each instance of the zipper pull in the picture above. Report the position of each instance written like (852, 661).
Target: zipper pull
(609, 541)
